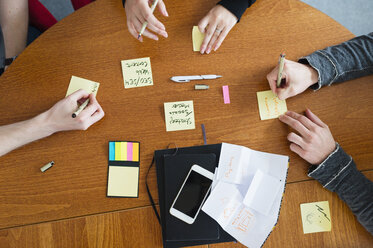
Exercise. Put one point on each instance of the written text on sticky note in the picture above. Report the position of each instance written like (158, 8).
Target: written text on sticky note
(179, 115)
(77, 83)
(316, 217)
(137, 72)
(197, 38)
(270, 106)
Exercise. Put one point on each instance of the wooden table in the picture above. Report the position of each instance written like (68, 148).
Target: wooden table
(67, 206)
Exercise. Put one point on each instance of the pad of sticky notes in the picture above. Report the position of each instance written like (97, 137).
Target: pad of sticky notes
(77, 83)
(123, 169)
(316, 217)
(137, 72)
(197, 38)
(270, 106)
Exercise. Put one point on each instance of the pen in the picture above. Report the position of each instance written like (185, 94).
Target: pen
(146, 23)
(280, 69)
(184, 79)
(80, 109)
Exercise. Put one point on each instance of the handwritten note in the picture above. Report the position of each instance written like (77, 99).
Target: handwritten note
(270, 106)
(316, 217)
(197, 38)
(137, 72)
(77, 83)
(179, 115)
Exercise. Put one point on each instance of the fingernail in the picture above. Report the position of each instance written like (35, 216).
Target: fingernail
(166, 13)
(202, 50)
(208, 50)
(215, 48)
(165, 34)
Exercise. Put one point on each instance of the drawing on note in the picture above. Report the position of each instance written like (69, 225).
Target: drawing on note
(270, 106)
(316, 217)
(243, 220)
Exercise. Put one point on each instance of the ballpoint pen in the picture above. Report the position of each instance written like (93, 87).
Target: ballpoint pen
(280, 69)
(184, 79)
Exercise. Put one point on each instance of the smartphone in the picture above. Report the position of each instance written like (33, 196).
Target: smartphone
(192, 194)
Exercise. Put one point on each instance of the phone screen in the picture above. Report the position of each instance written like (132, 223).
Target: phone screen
(192, 194)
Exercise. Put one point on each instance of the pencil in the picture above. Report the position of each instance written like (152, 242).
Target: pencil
(80, 109)
(280, 69)
(146, 23)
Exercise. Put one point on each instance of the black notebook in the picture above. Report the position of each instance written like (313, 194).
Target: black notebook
(160, 157)
(176, 169)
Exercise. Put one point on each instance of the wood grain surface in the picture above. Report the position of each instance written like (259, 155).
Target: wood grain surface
(139, 227)
(91, 42)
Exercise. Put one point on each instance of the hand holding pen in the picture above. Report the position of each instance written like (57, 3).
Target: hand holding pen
(139, 12)
(298, 77)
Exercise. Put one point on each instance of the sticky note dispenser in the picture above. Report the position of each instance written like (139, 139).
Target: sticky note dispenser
(123, 169)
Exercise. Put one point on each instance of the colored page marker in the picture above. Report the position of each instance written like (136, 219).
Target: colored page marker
(129, 151)
(226, 94)
(111, 151)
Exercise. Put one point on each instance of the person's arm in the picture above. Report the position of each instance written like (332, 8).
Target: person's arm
(237, 7)
(338, 173)
(219, 21)
(14, 24)
(331, 166)
(346, 61)
(56, 119)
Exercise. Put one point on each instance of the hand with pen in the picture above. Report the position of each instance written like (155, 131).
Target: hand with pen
(313, 140)
(138, 12)
(59, 116)
(296, 78)
(56, 119)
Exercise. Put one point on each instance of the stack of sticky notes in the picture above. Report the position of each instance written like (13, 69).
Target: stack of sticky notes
(123, 169)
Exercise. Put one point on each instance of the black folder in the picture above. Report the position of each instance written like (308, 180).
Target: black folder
(176, 236)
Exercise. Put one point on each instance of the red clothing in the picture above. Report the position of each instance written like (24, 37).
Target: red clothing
(42, 19)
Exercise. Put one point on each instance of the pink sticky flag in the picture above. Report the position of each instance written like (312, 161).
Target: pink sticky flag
(226, 94)
(129, 151)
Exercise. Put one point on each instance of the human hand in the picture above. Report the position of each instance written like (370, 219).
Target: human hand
(314, 142)
(138, 12)
(298, 78)
(58, 118)
(216, 25)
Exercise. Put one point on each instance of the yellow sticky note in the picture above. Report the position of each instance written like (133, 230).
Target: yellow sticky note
(179, 115)
(197, 38)
(77, 83)
(123, 181)
(316, 217)
(137, 72)
(270, 106)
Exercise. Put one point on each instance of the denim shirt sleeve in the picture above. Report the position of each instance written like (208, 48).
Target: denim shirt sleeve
(338, 173)
(346, 61)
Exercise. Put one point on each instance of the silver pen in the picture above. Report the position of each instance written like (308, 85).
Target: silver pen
(185, 79)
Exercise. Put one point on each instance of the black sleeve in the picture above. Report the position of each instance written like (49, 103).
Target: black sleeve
(237, 7)
(2, 52)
